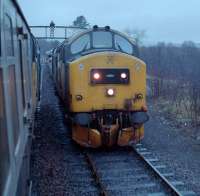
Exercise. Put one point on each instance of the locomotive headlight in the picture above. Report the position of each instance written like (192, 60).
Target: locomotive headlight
(96, 76)
(110, 92)
(123, 75)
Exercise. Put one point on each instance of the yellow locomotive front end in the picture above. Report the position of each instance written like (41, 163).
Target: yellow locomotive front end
(106, 89)
(107, 92)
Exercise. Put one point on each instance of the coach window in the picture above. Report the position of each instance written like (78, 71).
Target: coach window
(22, 73)
(0, 30)
(102, 39)
(82, 43)
(9, 36)
(123, 44)
(0, 34)
(13, 104)
(4, 151)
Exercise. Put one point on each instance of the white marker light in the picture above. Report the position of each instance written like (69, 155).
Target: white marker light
(96, 76)
(123, 75)
(110, 92)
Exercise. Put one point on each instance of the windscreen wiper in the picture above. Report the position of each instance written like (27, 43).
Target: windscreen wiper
(119, 47)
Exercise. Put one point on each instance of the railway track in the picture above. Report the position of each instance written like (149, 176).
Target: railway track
(170, 185)
(135, 172)
(162, 172)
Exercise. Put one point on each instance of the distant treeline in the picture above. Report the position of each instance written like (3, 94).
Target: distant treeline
(175, 79)
(173, 62)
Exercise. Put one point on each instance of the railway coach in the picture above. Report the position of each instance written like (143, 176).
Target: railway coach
(19, 92)
(102, 82)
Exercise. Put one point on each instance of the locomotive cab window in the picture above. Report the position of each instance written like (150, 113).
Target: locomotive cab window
(81, 44)
(102, 39)
(123, 44)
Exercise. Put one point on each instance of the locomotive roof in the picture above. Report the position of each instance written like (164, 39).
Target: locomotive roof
(96, 29)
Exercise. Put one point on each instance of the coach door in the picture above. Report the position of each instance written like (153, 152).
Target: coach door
(24, 73)
(11, 74)
(4, 144)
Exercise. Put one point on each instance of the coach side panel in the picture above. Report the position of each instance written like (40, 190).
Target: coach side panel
(16, 107)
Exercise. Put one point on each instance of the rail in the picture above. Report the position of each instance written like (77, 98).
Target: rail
(95, 174)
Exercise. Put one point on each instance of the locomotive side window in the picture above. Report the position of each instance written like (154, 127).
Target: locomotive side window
(123, 45)
(82, 43)
(13, 104)
(9, 36)
(102, 39)
(4, 149)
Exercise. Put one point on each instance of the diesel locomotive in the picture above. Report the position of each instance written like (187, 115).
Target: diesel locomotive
(102, 82)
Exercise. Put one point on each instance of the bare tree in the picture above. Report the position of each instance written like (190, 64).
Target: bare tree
(136, 34)
(175, 71)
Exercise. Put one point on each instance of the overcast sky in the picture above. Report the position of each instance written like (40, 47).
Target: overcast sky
(163, 20)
